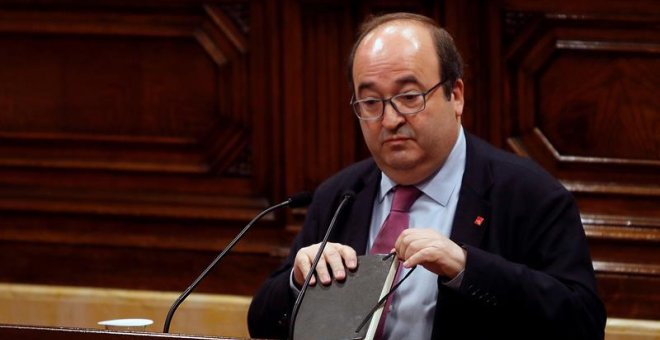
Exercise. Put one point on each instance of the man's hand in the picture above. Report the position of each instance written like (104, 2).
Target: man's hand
(433, 251)
(334, 257)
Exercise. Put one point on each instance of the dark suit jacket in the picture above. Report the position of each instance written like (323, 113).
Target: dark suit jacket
(528, 273)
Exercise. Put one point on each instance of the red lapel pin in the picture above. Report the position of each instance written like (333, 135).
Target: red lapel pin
(478, 221)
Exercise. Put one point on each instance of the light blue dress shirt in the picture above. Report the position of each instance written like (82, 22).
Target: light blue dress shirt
(413, 304)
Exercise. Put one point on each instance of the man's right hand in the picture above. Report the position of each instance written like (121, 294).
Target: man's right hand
(336, 257)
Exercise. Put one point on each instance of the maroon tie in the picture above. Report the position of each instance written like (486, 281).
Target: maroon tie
(397, 220)
(395, 223)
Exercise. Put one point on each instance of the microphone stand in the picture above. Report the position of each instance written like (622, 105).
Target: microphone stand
(184, 295)
(296, 306)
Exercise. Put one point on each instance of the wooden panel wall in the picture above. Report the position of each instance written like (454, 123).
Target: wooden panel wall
(131, 148)
(577, 92)
(137, 137)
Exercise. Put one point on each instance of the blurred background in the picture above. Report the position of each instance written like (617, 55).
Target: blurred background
(137, 137)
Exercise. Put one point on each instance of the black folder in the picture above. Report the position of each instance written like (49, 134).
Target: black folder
(336, 311)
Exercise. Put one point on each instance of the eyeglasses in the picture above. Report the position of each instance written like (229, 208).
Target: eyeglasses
(407, 103)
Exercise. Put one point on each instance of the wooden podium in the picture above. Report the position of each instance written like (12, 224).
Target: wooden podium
(63, 333)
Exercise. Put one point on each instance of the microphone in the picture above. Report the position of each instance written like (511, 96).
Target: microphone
(346, 198)
(300, 199)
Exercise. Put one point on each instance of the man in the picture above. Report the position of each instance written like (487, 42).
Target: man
(500, 245)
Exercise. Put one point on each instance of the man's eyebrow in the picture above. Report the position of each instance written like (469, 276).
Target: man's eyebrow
(400, 81)
(407, 80)
(365, 85)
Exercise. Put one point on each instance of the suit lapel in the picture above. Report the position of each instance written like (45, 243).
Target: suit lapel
(471, 219)
(358, 221)
(472, 215)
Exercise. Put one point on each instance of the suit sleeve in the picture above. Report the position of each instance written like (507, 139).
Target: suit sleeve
(549, 285)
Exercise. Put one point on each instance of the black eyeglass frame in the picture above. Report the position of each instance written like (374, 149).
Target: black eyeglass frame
(353, 102)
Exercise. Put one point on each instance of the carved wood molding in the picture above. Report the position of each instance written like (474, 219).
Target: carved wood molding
(151, 233)
(625, 228)
(540, 138)
(130, 204)
(540, 133)
(622, 233)
(100, 152)
(215, 32)
(178, 147)
(612, 188)
(633, 269)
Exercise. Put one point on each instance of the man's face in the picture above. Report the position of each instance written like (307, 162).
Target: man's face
(398, 57)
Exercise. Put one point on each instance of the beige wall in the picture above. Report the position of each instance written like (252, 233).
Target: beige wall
(202, 314)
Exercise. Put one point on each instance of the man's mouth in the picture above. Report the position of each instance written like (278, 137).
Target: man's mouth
(396, 139)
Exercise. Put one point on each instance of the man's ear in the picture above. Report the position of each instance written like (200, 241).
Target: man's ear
(458, 98)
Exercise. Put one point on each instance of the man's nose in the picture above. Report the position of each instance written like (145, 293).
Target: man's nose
(391, 118)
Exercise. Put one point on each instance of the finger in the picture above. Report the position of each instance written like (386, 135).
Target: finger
(335, 263)
(415, 259)
(401, 245)
(425, 251)
(350, 256)
(301, 267)
(414, 247)
(322, 272)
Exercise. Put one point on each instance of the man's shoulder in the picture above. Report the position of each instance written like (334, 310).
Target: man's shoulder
(351, 177)
(506, 167)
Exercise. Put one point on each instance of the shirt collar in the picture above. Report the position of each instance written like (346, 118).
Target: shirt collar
(440, 185)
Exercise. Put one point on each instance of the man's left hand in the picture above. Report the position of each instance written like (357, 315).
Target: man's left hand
(433, 251)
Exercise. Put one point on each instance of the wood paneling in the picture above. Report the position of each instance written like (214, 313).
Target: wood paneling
(578, 96)
(122, 91)
(129, 139)
(149, 132)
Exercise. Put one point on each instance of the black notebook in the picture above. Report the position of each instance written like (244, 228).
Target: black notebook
(334, 312)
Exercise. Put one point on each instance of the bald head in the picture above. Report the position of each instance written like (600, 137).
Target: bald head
(392, 48)
(443, 47)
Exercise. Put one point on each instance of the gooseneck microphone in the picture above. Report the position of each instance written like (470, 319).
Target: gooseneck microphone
(298, 200)
(346, 198)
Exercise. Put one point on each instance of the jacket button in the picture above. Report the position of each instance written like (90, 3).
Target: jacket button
(282, 321)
